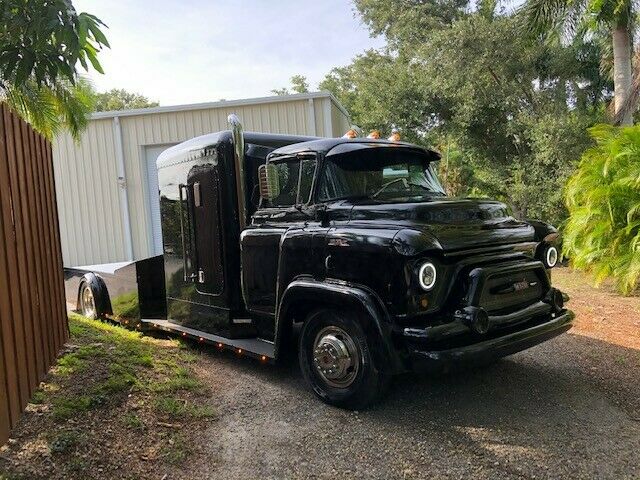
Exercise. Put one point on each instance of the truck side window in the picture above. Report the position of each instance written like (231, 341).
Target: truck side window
(296, 180)
(288, 175)
(308, 167)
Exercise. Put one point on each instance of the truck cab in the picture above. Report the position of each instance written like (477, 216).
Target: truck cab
(350, 253)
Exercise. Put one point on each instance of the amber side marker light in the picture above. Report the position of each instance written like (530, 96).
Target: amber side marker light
(263, 358)
(240, 351)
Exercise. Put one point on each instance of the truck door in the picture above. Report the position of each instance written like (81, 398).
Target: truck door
(203, 192)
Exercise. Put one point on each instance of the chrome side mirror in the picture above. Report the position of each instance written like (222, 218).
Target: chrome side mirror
(269, 181)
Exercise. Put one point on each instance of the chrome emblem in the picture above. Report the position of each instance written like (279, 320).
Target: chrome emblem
(523, 285)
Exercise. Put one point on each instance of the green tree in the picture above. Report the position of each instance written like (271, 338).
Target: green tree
(615, 18)
(514, 110)
(299, 84)
(409, 22)
(41, 43)
(120, 99)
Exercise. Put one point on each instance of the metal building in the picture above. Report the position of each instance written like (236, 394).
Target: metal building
(106, 183)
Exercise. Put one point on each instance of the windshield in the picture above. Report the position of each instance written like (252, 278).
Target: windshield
(378, 173)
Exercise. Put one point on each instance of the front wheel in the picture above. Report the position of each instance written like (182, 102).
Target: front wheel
(337, 362)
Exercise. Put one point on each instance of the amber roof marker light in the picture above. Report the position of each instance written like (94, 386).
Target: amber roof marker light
(395, 136)
(374, 134)
(353, 132)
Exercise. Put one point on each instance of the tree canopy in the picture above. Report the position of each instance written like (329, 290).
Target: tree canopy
(299, 84)
(121, 99)
(510, 111)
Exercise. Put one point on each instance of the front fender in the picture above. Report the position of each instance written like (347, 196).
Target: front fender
(308, 294)
(409, 242)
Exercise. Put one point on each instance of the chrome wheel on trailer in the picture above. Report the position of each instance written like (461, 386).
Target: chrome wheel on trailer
(87, 302)
(336, 357)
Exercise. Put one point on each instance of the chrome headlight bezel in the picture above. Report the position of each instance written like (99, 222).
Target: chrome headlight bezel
(551, 256)
(426, 267)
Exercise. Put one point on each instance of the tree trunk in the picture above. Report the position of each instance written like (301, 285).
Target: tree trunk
(622, 76)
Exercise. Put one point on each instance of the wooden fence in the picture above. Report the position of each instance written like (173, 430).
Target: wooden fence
(33, 322)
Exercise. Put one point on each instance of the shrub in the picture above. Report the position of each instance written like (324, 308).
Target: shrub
(602, 235)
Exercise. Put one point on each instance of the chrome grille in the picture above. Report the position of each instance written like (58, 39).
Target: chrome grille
(511, 291)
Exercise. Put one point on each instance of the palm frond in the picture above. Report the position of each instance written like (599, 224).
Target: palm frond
(602, 235)
(51, 109)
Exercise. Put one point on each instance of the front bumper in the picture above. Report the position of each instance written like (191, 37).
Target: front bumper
(497, 347)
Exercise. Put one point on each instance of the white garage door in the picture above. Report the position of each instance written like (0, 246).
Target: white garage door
(151, 155)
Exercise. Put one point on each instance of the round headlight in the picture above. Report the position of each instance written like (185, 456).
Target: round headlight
(551, 256)
(427, 276)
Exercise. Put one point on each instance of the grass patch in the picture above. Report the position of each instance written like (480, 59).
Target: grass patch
(178, 408)
(66, 441)
(38, 397)
(69, 407)
(114, 387)
(69, 364)
(131, 420)
(177, 450)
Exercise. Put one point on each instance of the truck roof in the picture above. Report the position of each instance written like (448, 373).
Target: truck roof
(336, 146)
(199, 146)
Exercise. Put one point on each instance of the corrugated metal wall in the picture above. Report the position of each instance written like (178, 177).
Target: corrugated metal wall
(93, 230)
(33, 321)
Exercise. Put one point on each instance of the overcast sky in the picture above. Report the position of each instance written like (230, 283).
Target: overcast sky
(197, 51)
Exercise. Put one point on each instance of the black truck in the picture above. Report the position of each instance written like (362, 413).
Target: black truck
(347, 251)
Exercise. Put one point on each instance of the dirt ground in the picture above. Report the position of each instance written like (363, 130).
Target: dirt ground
(569, 408)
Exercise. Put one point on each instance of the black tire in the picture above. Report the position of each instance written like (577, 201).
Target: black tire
(364, 381)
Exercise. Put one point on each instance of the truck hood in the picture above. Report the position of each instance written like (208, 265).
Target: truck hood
(446, 223)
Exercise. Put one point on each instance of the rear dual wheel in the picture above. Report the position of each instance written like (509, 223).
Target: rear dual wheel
(336, 360)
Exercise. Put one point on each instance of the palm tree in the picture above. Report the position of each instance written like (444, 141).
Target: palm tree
(613, 18)
(49, 109)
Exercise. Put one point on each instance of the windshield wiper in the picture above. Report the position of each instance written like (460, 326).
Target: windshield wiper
(362, 196)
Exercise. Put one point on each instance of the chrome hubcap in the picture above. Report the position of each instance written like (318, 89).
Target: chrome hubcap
(336, 357)
(88, 303)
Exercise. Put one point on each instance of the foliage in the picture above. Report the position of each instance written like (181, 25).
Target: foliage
(603, 197)
(513, 110)
(120, 99)
(41, 43)
(612, 22)
(409, 22)
(299, 84)
(50, 109)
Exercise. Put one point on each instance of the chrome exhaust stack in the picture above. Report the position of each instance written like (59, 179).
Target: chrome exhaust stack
(238, 154)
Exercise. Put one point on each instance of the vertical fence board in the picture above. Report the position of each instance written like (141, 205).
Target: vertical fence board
(54, 228)
(25, 338)
(33, 323)
(44, 253)
(7, 304)
(34, 197)
(26, 183)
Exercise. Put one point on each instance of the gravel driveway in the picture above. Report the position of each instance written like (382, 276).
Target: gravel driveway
(566, 409)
